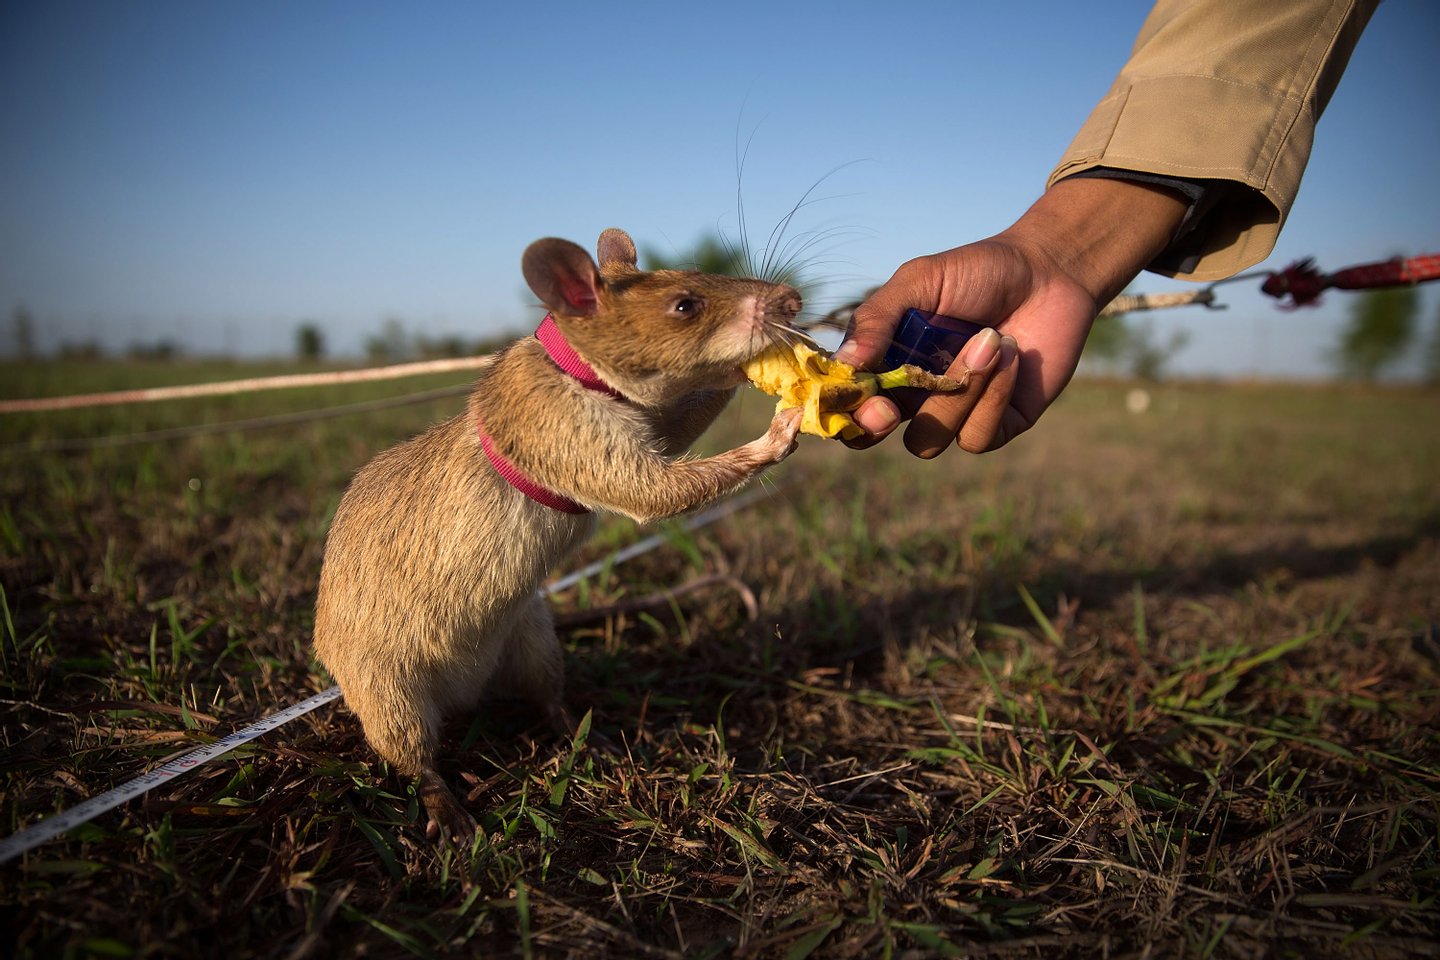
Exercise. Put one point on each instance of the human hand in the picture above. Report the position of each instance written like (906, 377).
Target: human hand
(1039, 284)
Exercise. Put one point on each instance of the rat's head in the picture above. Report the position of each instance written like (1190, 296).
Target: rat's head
(654, 335)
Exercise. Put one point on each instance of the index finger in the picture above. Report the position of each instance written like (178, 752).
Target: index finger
(872, 325)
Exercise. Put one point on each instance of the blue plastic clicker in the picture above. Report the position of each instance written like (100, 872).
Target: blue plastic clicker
(929, 340)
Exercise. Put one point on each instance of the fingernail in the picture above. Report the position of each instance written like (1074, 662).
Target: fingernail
(1009, 350)
(981, 349)
(846, 353)
(877, 418)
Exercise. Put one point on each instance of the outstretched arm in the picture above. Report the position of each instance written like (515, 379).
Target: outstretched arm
(1219, 99)
(1039, 284)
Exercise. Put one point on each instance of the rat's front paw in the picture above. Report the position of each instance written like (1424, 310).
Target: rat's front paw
(784, 433)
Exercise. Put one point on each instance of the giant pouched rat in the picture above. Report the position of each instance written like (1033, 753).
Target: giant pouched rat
(428, 590)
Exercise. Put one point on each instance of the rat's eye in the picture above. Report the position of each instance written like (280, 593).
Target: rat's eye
(687, 307)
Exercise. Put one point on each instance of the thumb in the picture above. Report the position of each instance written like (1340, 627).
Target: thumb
(872, 326)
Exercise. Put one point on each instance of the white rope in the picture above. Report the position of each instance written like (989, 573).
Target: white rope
(56, 824)
(231, 426)
(250, 385)
(52, 826)
(1131, 302)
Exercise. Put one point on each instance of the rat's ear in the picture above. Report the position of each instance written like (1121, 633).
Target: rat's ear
(615, 246)
(563, 276)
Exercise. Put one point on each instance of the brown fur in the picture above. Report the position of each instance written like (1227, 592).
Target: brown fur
(428, 590)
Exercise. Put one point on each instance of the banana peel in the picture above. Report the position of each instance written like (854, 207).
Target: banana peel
(801, 375)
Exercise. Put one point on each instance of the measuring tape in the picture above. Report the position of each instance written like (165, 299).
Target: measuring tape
(56, 824)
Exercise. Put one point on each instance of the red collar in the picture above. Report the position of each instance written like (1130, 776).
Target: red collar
(572, 363)
(518, 480)
(568, 360)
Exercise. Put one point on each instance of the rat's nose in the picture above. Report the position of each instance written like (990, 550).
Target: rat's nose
(788, 303)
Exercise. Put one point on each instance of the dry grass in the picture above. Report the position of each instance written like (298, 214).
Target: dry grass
(1137, 686)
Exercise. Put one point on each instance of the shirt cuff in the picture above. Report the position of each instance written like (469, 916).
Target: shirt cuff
(1200, 193)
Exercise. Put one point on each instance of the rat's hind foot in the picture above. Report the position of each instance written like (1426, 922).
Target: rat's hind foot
(449, 821)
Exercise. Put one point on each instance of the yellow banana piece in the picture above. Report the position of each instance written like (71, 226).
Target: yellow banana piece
(803, 376)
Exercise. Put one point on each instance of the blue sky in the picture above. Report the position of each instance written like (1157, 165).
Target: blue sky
(215, 173)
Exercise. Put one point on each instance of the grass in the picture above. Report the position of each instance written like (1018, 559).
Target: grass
(1153, 685)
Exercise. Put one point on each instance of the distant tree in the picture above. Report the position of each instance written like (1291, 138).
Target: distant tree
(448, 345)
(24, 332)
(1119, 342)
(392, 343)
(1149, 358)
(1381, 327)
(431, 348)
(309, 341)
(495, 342)
(161, 350)
(83, 350)
(713, 254)
(1432, 353)
(1109, 340)
(709, 255)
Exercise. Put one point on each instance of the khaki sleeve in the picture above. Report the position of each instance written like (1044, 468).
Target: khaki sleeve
(1229, 91)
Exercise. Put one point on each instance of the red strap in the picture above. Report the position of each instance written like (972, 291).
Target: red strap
(568, 360)
(1422, 268)
(572, 363)
(518, 480)
(1388, 273)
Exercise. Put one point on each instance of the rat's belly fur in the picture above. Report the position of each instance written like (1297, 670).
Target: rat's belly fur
(428, 588)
